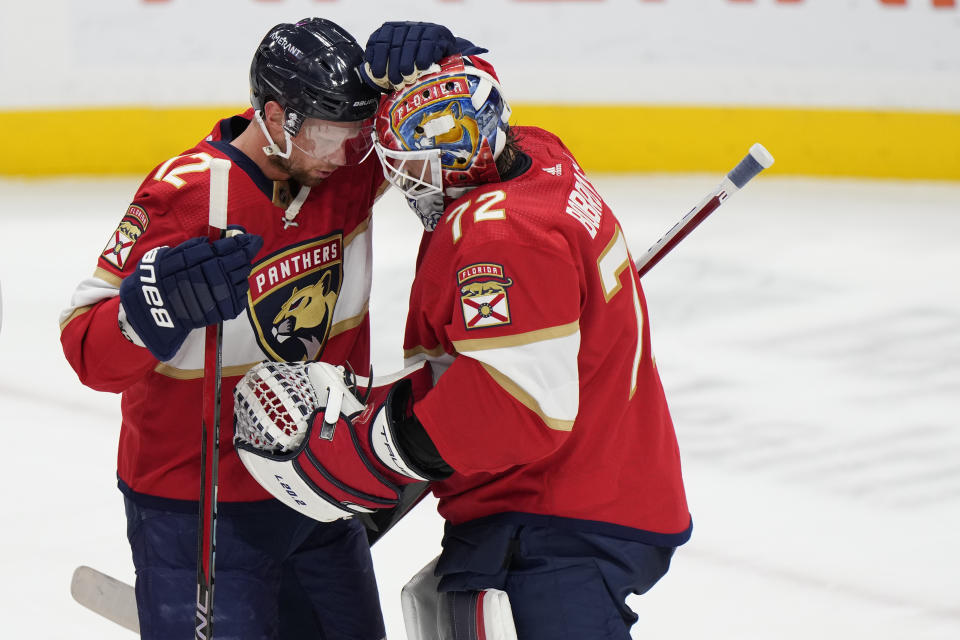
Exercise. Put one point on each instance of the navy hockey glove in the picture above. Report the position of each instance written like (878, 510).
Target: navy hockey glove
(398, 52)
(192, 285)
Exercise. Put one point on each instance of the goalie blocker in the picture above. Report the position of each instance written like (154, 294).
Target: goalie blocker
(302, 430)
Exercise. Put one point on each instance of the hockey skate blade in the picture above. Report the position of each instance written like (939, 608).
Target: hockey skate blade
(105, 596)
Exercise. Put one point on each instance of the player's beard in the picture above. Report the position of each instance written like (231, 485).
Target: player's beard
(299, 174)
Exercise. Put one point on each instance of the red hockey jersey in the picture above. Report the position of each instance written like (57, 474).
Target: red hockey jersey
(528, 306)
(309, 292)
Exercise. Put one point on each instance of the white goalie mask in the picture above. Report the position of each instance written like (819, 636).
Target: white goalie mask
(441, 136)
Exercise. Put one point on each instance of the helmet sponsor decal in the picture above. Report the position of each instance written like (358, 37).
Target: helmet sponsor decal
(286, 45)
(484, 297)
(293, 121)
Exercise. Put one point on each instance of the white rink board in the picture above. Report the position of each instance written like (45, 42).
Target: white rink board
(832, 53)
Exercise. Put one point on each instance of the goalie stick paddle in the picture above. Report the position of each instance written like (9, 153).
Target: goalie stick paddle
(753, 163)
(210, 442)
(106, 596)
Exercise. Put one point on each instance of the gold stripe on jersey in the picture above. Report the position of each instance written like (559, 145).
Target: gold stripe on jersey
(79, 311)
(195, 374)
(350, 323)
(481, 344)
(526, 399)
(107, 276)
(363, 226)
(433, 352)
(382, 189)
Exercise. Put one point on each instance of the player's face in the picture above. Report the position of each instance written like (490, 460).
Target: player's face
(321, 147)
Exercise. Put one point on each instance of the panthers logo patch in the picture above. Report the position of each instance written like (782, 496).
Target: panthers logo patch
(292, 297)
(483, 295)
(131, 227)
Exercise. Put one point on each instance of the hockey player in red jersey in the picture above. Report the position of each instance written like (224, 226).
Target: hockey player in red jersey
(547, 435)
(294, 286)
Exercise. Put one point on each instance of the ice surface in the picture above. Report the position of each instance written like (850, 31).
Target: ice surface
(808, 336)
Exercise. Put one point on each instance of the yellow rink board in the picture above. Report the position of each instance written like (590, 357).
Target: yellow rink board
(605, 138)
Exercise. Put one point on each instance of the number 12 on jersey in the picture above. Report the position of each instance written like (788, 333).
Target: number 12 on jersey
(613, 261)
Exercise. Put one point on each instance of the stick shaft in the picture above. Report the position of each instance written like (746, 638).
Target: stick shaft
(753, 163)
(210, 441)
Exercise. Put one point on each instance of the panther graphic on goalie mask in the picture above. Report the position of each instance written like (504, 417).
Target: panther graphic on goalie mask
(440, 113)
(458, 144)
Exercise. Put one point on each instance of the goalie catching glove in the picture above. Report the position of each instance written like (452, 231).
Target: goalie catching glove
(304, 434)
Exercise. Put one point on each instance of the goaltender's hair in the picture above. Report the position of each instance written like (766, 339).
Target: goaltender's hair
(510, 153)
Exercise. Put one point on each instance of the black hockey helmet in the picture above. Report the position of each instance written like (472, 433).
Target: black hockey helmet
(311, 69)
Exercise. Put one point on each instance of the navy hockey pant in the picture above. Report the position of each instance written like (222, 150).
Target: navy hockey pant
(279, 575)
(563, 584)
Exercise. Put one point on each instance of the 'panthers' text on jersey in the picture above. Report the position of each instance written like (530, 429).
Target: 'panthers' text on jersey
(309, 292)
(527, 303)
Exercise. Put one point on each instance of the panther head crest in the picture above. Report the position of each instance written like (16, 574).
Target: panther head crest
(307, 315)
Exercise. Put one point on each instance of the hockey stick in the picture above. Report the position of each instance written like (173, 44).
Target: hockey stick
(753, 163)
(210, 443)
(116, 600)
(106, 596)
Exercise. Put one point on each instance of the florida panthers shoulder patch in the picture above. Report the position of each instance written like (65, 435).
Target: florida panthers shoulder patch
(131, 227)
(483, 295)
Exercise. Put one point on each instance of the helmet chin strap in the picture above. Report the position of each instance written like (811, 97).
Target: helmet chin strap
(290, 214)
(272, 149)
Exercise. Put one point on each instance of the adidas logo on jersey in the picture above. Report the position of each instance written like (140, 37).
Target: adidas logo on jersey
(555, 170)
